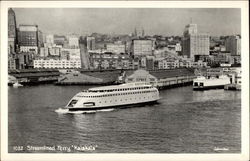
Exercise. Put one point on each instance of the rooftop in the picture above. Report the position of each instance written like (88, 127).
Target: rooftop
(168, 73)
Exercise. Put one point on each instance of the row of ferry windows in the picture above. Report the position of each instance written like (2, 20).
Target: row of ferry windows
(123, 89)
(118, 94)
(126, 99)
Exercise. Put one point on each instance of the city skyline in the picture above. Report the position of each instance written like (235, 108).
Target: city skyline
(194, 45)
(167, 22)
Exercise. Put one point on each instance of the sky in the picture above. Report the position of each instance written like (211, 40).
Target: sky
(165, 21)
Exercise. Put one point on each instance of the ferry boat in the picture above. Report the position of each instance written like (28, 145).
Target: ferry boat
(202, 82)
(17, 84)
(113, 96)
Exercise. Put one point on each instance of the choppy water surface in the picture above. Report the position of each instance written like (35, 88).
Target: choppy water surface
(184, 121)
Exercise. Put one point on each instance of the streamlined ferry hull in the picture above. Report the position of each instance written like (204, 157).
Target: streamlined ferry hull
(116, 106)
(117, 96)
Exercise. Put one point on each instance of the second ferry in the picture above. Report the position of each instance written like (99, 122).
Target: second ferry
(113, 96)
(202, 83)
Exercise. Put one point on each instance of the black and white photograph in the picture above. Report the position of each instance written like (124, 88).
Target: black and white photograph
(98, 78)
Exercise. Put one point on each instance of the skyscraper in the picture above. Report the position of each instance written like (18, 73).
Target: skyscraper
(90, 43)
(12, 34)
(40, 39)
(194, 43)
(233, 44)
(190, 29)
(28, 38)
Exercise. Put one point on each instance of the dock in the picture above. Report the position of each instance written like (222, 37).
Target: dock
(236, 87)
(34, 76)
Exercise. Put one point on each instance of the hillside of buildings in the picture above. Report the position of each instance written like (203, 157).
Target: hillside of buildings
(29, 48)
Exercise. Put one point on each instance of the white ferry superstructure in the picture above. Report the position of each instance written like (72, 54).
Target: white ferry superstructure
(202, 82)
(113, 96)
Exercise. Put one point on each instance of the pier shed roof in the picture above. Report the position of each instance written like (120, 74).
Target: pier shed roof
(170, 73)
(166, 73)
(37, 74)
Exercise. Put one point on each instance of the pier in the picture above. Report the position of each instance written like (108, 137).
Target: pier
(176, 82)
(162, 78)
(159, 78)
(236, 87)
(33, 76)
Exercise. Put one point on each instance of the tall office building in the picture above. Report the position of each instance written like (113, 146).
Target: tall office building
(233, 44)
(194, 43)
(28, 38)
(40, 39)
(12, 33)
(90, 43)
(190, 29)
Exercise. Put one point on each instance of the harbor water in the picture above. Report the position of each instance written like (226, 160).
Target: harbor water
(184, 121)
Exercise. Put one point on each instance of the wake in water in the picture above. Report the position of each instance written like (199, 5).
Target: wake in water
(66, 111)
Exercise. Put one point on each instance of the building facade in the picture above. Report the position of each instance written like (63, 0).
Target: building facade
(142, 47)
(22, 60)
(59, 40)
(73, 53)
(233, 44)
(60, 64)
(12, 32)
(49, 39)
(28, 38)
(54, 51)
(91, 45)
(190, 29)
(40, 39)
(194, 43)
(44, 52)
(73, 41)
(31, 49)
(116, 48)
(168, 64)
(110, 61)
(150, 62)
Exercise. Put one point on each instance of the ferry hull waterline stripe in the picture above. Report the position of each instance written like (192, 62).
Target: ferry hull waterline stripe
(209, 87)
(118, 96)
(112, 107)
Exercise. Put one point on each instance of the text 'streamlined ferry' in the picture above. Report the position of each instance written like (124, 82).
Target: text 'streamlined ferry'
(202, 82)
(113, 96)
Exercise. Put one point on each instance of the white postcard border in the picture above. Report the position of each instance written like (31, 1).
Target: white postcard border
(244, 155)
